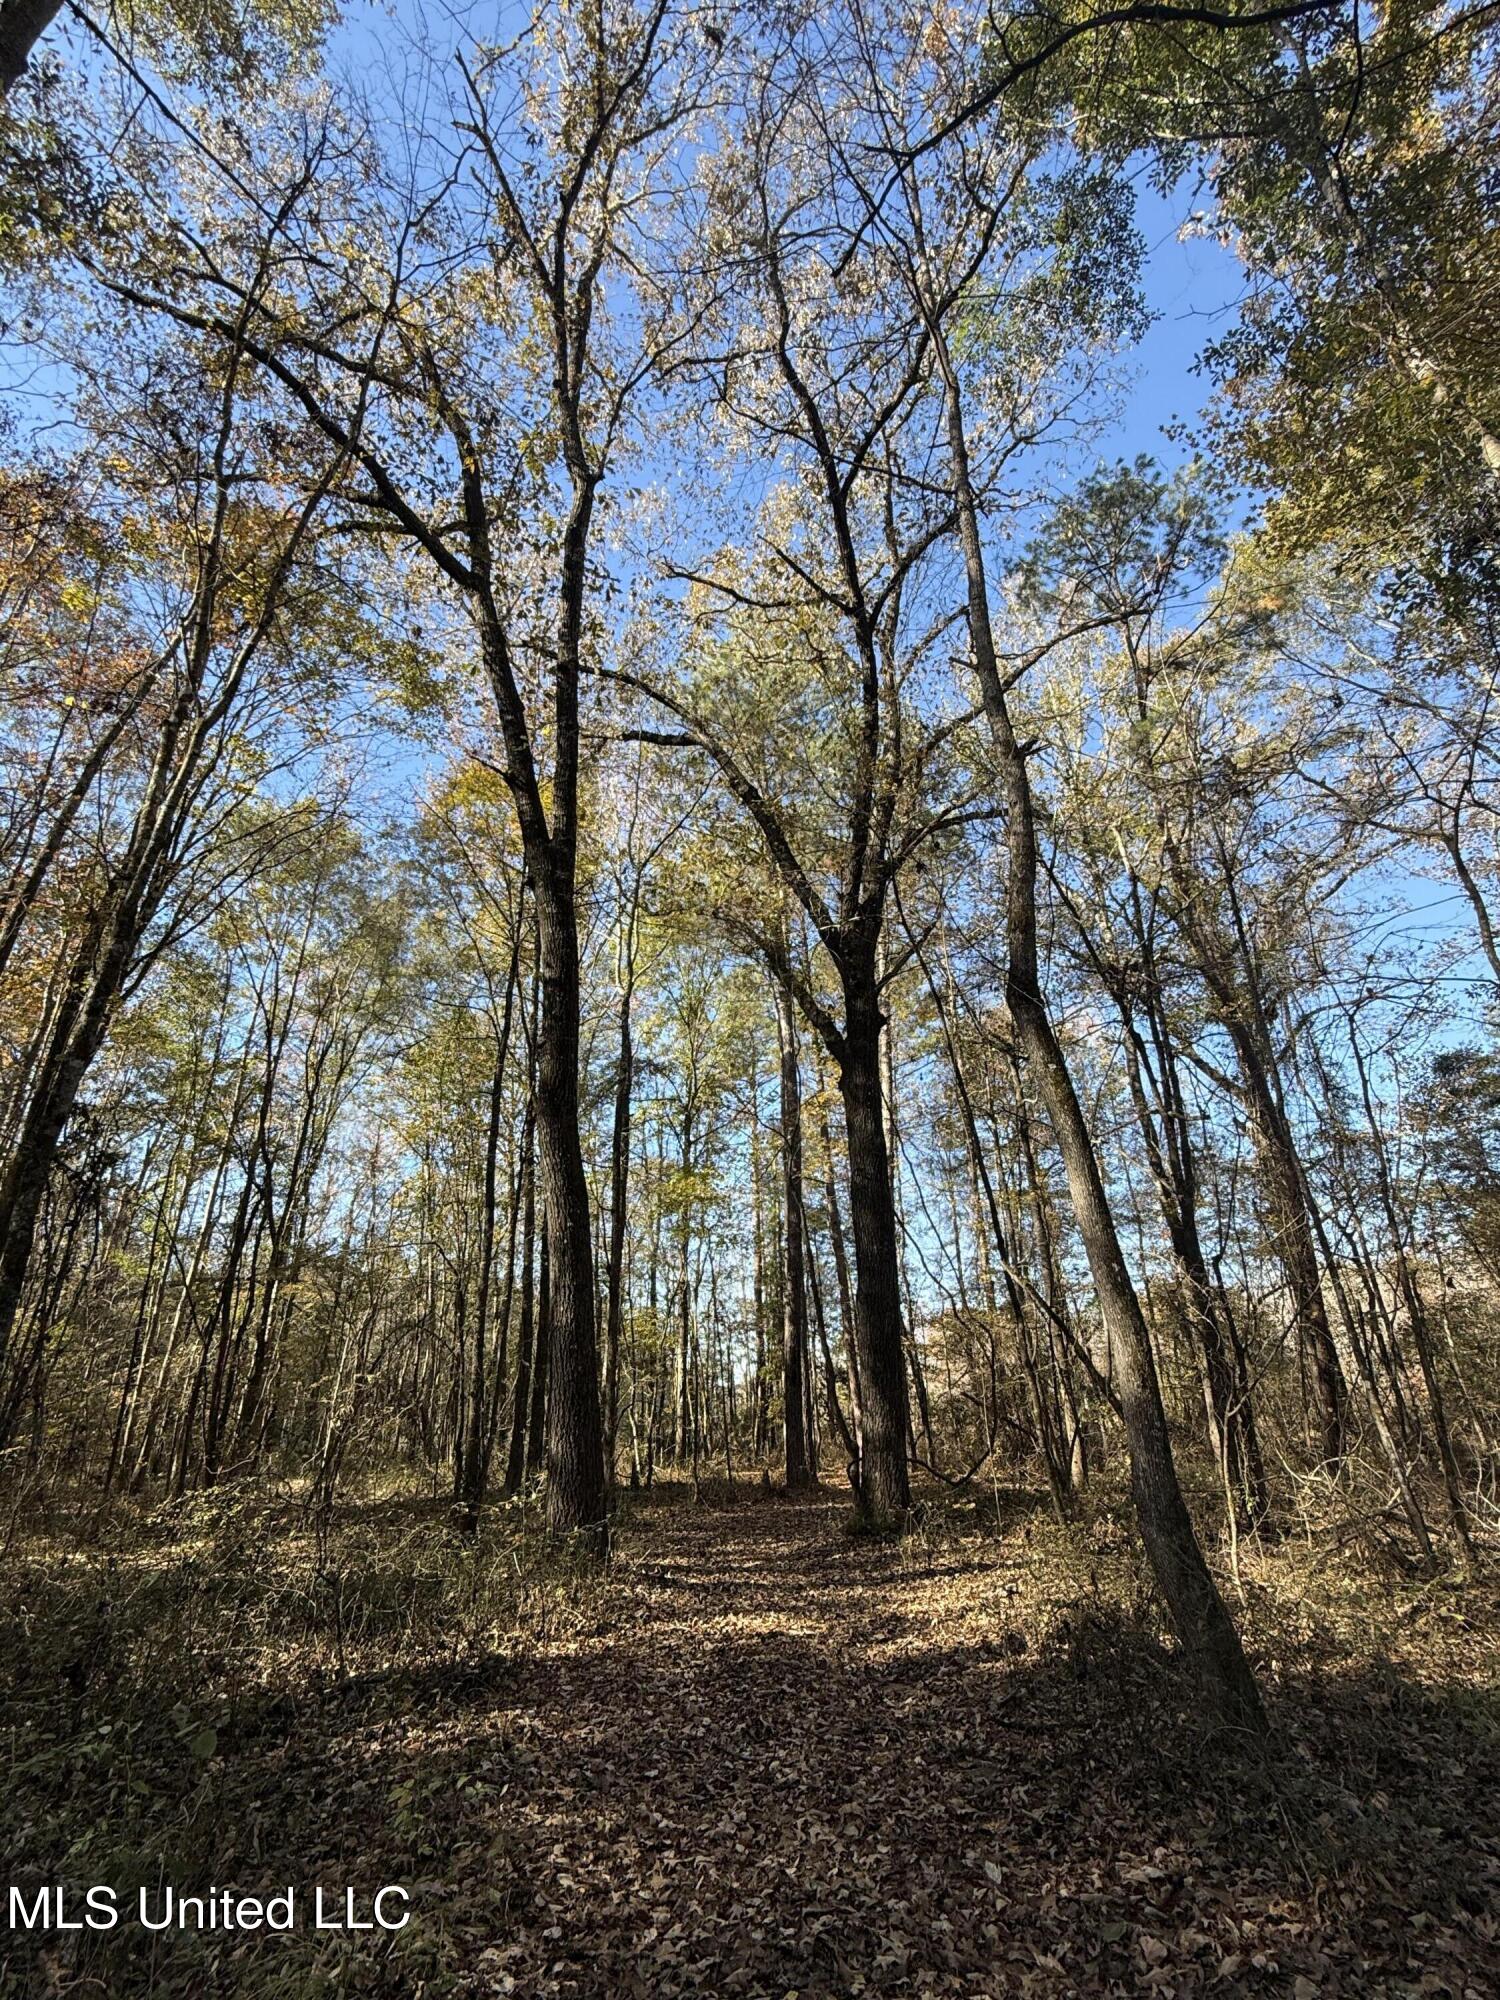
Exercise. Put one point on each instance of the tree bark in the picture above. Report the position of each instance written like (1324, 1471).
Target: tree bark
(884, 1482)
(22, 24)
(1202, 1624)
(794, 1288)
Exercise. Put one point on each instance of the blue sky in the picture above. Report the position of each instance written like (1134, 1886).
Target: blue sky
(1192, 290)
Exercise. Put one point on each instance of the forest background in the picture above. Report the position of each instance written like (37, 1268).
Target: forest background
(746, 753)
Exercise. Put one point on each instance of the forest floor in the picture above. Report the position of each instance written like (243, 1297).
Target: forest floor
(758, 1757)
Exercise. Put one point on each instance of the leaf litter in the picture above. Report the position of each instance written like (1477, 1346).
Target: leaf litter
(760, 1757)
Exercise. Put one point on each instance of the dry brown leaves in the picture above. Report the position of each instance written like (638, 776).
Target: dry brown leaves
(761, 1759)
(789, 1764)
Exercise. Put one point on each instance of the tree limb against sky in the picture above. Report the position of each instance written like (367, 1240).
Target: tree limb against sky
(750, 1127)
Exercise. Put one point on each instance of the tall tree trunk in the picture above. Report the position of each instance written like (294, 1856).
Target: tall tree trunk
(1416, 1310)
(1052, 1445)
(619, 1190)
(507, 1302)
(1231, 1419)
(794, 1288)
(684, 1426)
(1197, 1611)
(541, 1359)
(1293, 1238)
(475, 1455)
(884, 1484)
(133, 894)
(515, 1468)
(836, 1418)
(577, 1502)
(1226, 962)
(841, 1278)
(760, 1417)
(77, 1036)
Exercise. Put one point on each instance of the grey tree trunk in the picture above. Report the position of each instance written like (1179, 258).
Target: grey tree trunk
(884, 1481)
(794, 1288)
(1203, 1626)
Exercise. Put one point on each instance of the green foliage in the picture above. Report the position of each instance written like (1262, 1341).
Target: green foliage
(1126, 539)
(225, 45)
(1349, 161)
(1072, 281)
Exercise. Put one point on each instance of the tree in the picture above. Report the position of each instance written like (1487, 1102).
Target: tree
(567, 145)
(229, 553)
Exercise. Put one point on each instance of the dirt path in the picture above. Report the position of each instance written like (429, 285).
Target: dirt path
(782, 1762)
(752, 1759)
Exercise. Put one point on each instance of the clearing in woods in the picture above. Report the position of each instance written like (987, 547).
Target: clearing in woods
(760, 1757)
(794, 1763)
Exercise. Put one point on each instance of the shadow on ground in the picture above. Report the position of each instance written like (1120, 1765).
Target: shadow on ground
(763, 1759)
